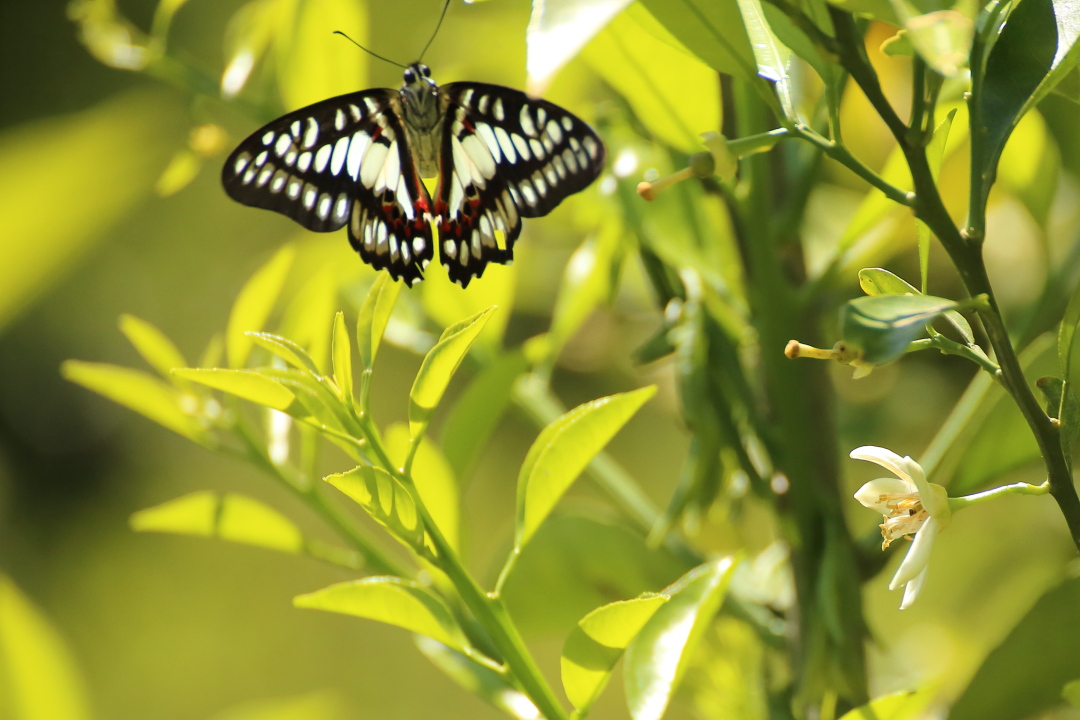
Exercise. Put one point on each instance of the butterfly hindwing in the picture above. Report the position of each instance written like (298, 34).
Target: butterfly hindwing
(341, 161)
(504, 156)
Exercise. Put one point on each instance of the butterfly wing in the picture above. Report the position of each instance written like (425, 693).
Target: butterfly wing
(342, 161)
(504, 156)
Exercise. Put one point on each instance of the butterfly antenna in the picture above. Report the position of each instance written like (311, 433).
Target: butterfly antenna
(374, 55)
(446, 7)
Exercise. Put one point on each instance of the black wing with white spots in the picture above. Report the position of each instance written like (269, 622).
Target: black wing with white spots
(343, 161)
(503, 156)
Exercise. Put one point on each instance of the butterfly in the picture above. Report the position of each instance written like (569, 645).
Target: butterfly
(357, 161)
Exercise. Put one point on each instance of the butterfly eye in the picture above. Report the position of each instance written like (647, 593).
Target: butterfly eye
(410, 76)
(425, 71)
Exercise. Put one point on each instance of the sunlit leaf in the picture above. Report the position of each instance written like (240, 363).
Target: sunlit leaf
(439, 366)
(597, 643)
(385, 499)
(374, 316)
(1036, 49)
(246, 384)
(228, 516)
(772, 57)
(1071, 693)
(935, 155)
(445, 304)
(38, 676)
(883, 326)
(312, 63)
(876, 281)
(141, 392)
(1024, 675)
(477, 412)
(48, 219)
(563, 450)
(178, 174)
(909, 705)
(342, 353)
(391, 600)
(713, 31)
(433, 477)
(481, 680)
(287, 350)
(657, 657)
(154, 346)
(1066, 333)
(247, 37)
(673, 94)
(254, 303)
(586, 283)
(942, 37)
(557, 31)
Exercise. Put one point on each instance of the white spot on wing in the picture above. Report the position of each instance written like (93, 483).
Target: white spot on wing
(526, 121)
(339, 119)
(591, 147)
(341, 150)
(372, 164)
(268, 137)
(295, 129)
(310, 193)
(498, 109)
(477, 151)
(323, 209)
(303, 162)
(359, 145)
(311, 133)
(284, 142)
(521, 145)
(241, 163)
(322, 157)
(260, 159)
(486, 134)
(554, 131)
(506, 145)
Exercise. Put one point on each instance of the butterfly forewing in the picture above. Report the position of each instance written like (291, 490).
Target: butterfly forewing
(504, 156)
(341, 161)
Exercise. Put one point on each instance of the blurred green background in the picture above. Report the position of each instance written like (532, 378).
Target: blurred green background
(173, 628)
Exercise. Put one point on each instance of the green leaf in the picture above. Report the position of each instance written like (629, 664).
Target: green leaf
(314, 398)
(111, 155)
(141, 392)
(439, 366)
(658, 656)
(559, 29)
(673, 94)
(907, 705)
(342, 353)
(287, 350)
(1066, 331)
(883, 326)
(228, 516)
(1034, 51)
(1023, 676)
(374, 316)
(385, 499)
(772, 57)
(247, 36)
(563, 450)
(154, 346)
(445, 304)
(245, 384)
(38, 677)
(433, 478)
(876, 281)
(390, 600)
(711, 30)
(254, 303)
(935, 155)
(477, 412)
(481, 680)
(942, 37)
(312, 65)
(597, 643)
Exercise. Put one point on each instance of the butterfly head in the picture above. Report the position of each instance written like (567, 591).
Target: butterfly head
(420, 95)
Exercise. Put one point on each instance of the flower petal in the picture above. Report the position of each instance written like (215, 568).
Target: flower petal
(913, 587)
(885, 458)
(918, 557)
(876, 493)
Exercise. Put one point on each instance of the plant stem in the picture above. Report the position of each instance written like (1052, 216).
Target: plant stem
(965, 251)
(1020, 488)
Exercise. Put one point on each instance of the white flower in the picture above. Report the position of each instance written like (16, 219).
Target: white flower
(910, 506)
